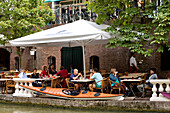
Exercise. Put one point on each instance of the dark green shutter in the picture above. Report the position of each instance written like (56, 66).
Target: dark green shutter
(72, 55)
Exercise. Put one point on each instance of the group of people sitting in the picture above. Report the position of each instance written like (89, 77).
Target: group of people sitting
(95, 75)
(115, 80)
(46, 73)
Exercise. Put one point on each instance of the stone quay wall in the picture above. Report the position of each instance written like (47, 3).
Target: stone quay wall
(128, 105)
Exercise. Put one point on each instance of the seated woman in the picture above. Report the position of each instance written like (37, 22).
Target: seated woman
(36, 75)
(153, 75)
(52, 71)
(63, 73)
(44, 73)
(116, 80)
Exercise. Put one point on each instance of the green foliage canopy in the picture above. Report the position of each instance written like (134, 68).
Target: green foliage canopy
(136, 27)
(19, 18)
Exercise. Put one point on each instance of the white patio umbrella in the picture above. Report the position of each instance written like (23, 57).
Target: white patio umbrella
(78, 33)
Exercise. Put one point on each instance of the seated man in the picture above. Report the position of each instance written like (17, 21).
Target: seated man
(22, 74)
(63, 73)
(75, 76)
(153, 75)
(36, 75)
(98, 79)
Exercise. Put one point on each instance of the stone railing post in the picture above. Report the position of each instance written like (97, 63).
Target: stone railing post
(160, 90)
(154, 89)
(167, 88)
(16, 89)
(20, 91)
(160, 97)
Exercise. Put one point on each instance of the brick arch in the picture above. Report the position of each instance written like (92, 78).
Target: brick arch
(51, 60)
(4, 59)
(94, 62)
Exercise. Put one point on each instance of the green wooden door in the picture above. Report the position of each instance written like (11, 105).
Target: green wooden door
(72, 56)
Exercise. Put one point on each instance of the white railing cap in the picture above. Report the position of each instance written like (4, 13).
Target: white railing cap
(160, 81)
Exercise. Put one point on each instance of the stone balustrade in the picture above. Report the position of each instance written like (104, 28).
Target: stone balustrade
(158, 96)
(20, 91)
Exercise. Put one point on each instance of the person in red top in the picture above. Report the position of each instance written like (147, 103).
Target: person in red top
(44, 73)
(63, 73)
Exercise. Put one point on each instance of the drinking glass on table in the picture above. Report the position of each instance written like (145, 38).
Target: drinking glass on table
(91, 70)
(79, 76)
(139, 78)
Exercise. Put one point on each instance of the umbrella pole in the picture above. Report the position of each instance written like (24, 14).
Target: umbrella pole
(84, 62)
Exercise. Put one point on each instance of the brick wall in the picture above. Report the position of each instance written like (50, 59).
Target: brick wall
(108, 58)
(26, 58)
(44, 52)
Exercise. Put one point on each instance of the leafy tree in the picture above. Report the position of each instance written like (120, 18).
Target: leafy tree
(135, 27)
(19, 18)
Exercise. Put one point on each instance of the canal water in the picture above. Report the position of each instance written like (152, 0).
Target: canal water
(16, 108)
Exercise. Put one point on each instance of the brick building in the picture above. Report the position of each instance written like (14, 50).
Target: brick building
(107, 58)
(96, 55)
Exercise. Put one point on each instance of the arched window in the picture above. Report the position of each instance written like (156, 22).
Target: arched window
(94, 62)
(17, 63)
(52, 60)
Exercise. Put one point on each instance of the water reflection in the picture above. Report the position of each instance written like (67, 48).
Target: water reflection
(13, 108)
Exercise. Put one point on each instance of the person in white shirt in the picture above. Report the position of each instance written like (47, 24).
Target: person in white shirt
(133, 64)
(22, 74)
